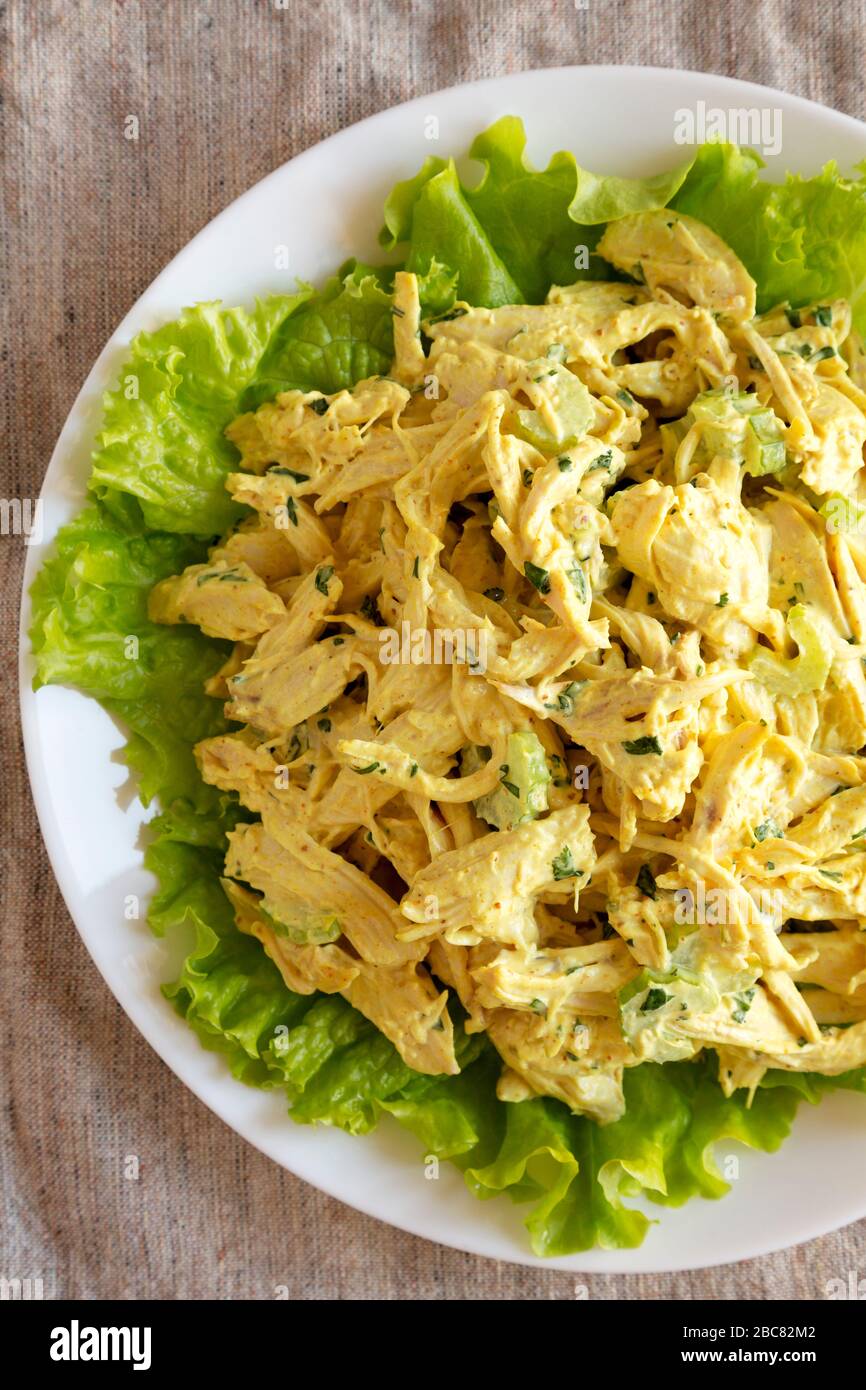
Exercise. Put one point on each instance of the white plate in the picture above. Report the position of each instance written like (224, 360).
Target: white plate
(326, 206)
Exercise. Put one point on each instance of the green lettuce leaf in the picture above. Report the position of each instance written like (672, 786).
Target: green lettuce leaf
(162, 439)
(662, 1149)
(340, 336)
(228, 990)
(90, 628)
(158, 484)
(400, 203)
(91, 596)
(445, 228)
(801, 240)
(518, 230)
(537, 218)
(812, 1087)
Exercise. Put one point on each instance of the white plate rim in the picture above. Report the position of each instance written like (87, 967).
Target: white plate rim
(619, 1261)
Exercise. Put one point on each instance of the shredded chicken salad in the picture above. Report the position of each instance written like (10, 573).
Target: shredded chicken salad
(548, 679)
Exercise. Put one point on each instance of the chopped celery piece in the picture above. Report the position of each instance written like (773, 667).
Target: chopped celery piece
(808, 671)
(523, 782)
(571, 412)
(718, 403)
(308, 927)
(764, 446)
(732, 425)
(653, 1000)
(656, 1000)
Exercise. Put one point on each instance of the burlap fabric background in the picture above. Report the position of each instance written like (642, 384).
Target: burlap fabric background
(226, 91)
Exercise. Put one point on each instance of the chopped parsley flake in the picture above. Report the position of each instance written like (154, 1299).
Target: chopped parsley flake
(640, 746)
(579, 584)
(767, 830)
(565, 698)
(291, 473)
(603, 460)
(646, 882)
(370, 610)
(563, 866)
(654, 1000)
(539, 578)
(743, 1003)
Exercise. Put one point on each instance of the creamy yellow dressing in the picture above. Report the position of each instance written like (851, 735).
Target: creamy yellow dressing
(548, 711)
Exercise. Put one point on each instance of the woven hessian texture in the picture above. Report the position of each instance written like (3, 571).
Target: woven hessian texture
(226, 90)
